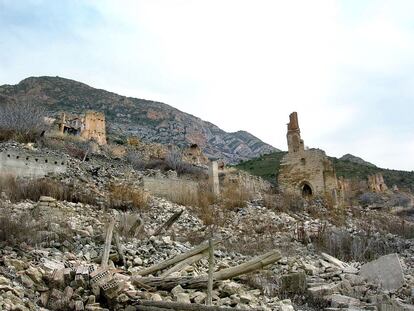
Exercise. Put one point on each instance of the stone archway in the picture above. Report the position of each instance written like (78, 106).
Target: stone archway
(306, 190)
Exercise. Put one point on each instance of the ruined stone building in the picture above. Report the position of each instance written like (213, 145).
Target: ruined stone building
(90, 126)
(305, 172)
(195, 155)
(376, 183)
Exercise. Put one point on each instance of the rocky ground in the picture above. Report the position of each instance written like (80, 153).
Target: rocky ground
(51, 252)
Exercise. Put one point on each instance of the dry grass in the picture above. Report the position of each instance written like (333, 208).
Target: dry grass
(345, 246)
(234, 196)
(25, 227)
(19, 189)
(125, 197)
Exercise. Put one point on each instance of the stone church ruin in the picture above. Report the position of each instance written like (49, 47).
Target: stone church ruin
(90, 126)
(306, 172)
(376, 183)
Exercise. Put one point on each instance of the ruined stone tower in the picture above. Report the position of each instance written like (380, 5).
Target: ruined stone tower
(376, 183)
(295, 143)
(305, 172)
(90, 126)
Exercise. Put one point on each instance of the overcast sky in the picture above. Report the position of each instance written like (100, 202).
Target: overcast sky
(346, 67)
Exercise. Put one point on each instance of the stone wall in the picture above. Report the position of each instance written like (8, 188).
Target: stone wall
(91, 126)
(253, 184)
(94, 129)
(24, 164)
(170, 188)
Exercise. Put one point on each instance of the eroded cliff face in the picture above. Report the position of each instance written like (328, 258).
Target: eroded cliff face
(125, 116)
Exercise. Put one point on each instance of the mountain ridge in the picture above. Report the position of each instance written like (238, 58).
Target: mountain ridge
(149, 120)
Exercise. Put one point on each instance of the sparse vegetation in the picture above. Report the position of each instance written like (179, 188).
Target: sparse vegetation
(23, 122)
(234, 196)
(125, 197)
(24, 227)
(348, 247)
(19, 189)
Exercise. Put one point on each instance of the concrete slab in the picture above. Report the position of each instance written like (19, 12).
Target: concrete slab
(386, 271)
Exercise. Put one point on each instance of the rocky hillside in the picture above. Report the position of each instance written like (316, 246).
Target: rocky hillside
(151, 121)
(269, 255)
(351, 158)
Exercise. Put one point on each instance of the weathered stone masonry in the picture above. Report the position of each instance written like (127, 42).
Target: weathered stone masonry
(22, 164)
(305, 172)
(91, 126)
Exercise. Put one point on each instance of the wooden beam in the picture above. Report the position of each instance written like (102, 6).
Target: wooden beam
(162, 265)
(254, 264)
(169, 222)
(107, 246)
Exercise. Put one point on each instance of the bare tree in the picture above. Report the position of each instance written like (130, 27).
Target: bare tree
(22, 121)
(174, 160)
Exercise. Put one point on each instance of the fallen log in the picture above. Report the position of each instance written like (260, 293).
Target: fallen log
(169, 222)
(334, 261)
(181, 265)
(254, 264)
(162, 265)
(210, 281)
(120, 249)
(169, 305)
(107, 246)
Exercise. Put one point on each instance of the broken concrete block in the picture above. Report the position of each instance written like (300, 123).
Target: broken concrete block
(341, 301)
(79, 305)
(51, 265)
(56, 301)
(112, 288)
(58, 279)
(323, 290)
(293, 283)
(386, 271)
(183, 298)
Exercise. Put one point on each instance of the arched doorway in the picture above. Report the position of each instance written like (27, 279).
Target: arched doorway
(306, 191)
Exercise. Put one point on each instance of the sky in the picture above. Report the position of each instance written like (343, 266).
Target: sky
(346, 66)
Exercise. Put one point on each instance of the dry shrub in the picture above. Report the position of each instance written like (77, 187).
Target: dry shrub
(234, 196)
(292, 202)
(345, 246)
(19, 189)
(125, 197)
(183, 195)
(25, 227)
(23, 122)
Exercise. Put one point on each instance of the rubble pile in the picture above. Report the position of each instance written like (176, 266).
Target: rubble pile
(155, 258)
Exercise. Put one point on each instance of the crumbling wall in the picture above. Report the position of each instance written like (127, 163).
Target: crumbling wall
(376, 183)
(252, 184)
(194, 155)
(23, 164)
(168, 187)
(94, 127)
(305, 172)
(91, 126)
